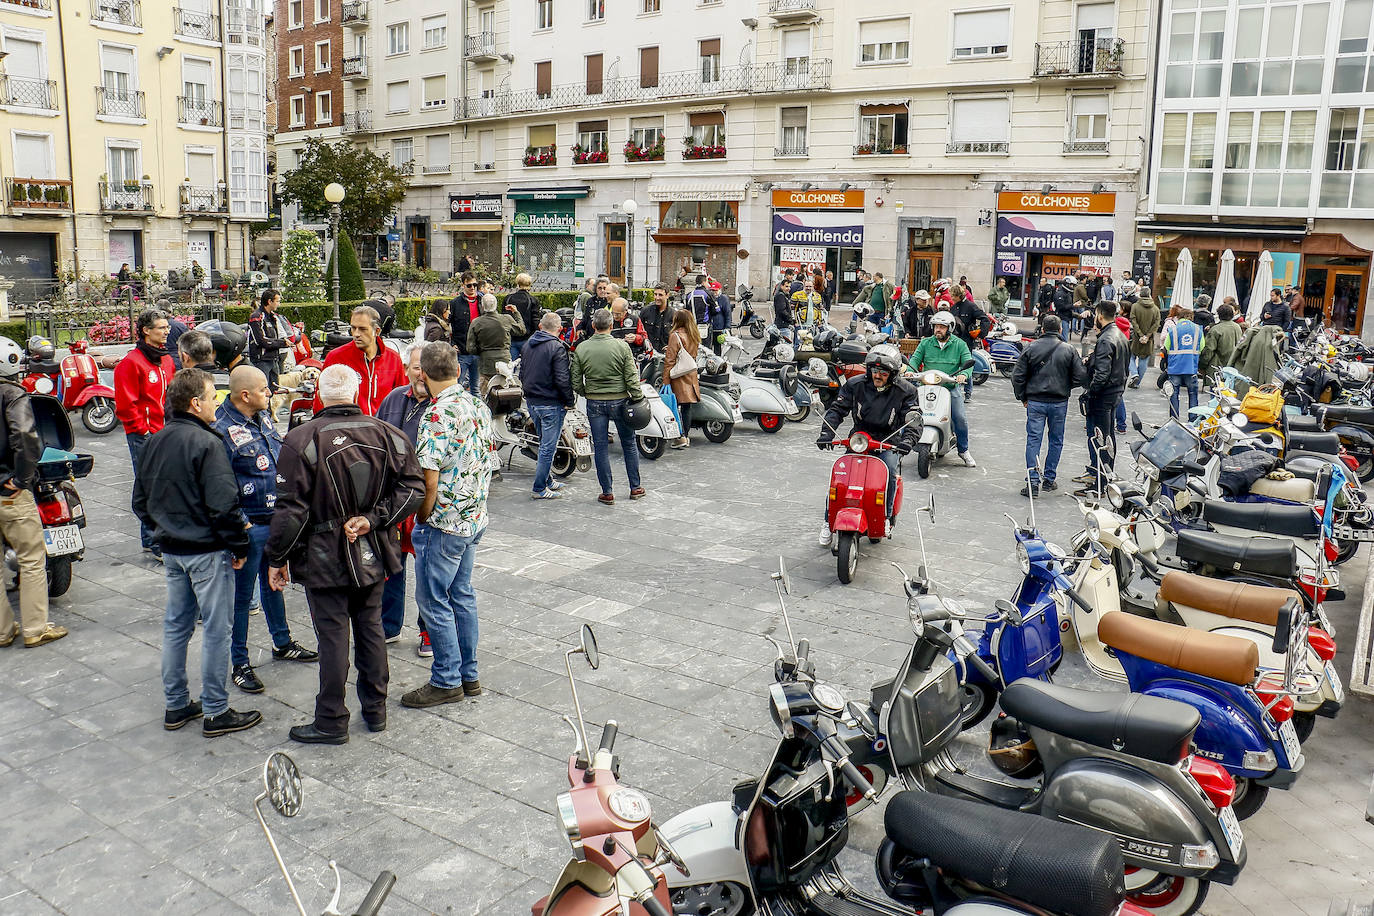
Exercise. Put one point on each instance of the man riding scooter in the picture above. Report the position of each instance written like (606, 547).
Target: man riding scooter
(885, 407)
(946, 353)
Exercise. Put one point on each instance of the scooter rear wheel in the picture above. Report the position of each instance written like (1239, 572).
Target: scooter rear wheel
(717, 431)
(800, 414)
(651, 447)
(770, 422)
(563, 463)
(980, 377)
(1249, 797)
(848, 556)
(1164, 895)
(756, 329)
(59, 576)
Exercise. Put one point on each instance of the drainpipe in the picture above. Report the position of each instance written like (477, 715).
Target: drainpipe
(224, 118)
(67, 119)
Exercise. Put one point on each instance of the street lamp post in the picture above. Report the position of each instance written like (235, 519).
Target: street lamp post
(629, 206)
(334, 193)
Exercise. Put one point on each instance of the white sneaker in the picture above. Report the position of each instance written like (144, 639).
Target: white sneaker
(968, 460)
(824, 538)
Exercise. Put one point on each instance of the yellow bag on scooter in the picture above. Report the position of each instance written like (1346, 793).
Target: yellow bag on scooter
(1263, 405)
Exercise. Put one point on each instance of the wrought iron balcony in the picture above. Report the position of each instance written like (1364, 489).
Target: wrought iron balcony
(117, 196)
(995, 147)
(28, 93)
(354, 13)
(481, 46)
(203, 200)
(118, 12)
(196, 24)
(45, 5)
(1080, 57)
(119, 103)
(789, 10)
(199, 112)
(355, 67)
(38, 193)
(484, 166)
(1085, 146)
(437, 168)
(357, 122)
(686, 84)
(790, 150)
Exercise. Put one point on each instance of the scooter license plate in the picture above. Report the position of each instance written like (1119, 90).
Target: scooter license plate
(1291, 746)
(1324, 620)
(62, 540)
(670, 429)
(738, 417)
(1230, 826)
(1335, 680)
(582, 447)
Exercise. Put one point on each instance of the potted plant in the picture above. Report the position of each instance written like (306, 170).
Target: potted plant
(899, 149)
(863, 149)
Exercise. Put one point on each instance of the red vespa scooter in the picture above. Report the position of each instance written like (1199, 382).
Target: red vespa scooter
(75, 382)
(855, 507)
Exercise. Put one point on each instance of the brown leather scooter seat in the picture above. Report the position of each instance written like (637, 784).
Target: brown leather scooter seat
(1255, 603)
(1214, 655)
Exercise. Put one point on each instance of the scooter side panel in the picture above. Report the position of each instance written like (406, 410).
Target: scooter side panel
(857, 481)
(705, 838)
(1033, 648)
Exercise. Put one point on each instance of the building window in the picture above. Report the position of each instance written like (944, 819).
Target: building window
(542, 148)
(646, 133)
(123, 165)
(438, 154)
(297, 111)
(591, 142)
(398, 97)
(435, 31)
(1268, 159)
(402, 152)
(436, 91)
(796, 52)
(979, 125)
(792, 131)
(1087, 123)
(981, 33)
(1279, 50)
(1195, 40)
(596, 10)
(1348, 173)
(593, 67)
(1187, 156)
(324, 107)
(543, 79)
(709, 53)
(35, 151)
(297, 57)
(486, 149)
(295, 13)
(885, 41)
(649, 6)
(543, 10)
(707, 128)
(321, 56)
(321, 10)
(882, 129)
(398, 38)
(1353, 50)
(648, 67)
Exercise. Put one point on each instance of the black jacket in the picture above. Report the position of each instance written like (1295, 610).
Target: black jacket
(264, 341)
(589, 308)
(544, 372)
(1278, 314)
(1045, 297)
(459, 319)
(1047, 370)
(530, 312)
(971, 318)
(878, 413)
(20, 447)
(1063, 301)
(783, 316)
(657, 325)
(186, 490)
(1108, 363)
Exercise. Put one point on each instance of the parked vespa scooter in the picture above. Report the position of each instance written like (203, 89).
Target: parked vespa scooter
(514, 428)
(75, 382)
(937, 433)
(718, 410)
(652, 441)
(856, 506)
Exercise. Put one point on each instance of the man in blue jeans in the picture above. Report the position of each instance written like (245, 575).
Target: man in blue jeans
(1045, 374)
(187, 494)
(454, 442)
(603, 371)
(1183, 344)
(253, 443)
(403, 409)
(546, 378)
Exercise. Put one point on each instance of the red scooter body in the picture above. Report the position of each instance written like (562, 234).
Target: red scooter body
(76, 383)
(855, 506)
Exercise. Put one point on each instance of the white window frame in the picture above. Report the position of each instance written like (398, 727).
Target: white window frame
(1220, 170)
(650, 7)
(717, 72)
(188, 151)
(15, 134)
(541, 23)
(433, 166)
(295, 14)
(805, 146)
(1364, 123)
(392, 31)
(431, 24)
(988, 147)
(646, 137)
(123, 143)
(425, 101)
(877, 119)
(389, 109)
(39, 38)
(321, 5)
(1085, 145)
(396, 140)
(329, 56)
(1193, 62)
(292, 71)
(877, 61)
(485, 164)
(586, 140)
(294, 121)
(980, 52)
(1218, 154)
(326, 96)
(596, 11)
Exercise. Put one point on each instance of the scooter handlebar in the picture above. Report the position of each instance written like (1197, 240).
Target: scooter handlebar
(856, 779)
(608, 735)
(655, 906)
(984, 668)
(372, 903)
(1077, 599)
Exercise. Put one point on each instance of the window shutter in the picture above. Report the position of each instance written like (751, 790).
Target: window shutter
(1094, 16)
(1089, 104)
(544, 135)
(794, 117)
(982, 28)
(796, 43)
(706, 119)
(882, 109)
(648, 67)
(543, 77)
(594, 74)
(884, 30)
(710, 47)
(980, 120)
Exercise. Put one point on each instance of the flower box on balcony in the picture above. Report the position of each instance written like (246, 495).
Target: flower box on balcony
(863, 150)
(636, 153)
(589, 156)
(540, 156)
(703, 152)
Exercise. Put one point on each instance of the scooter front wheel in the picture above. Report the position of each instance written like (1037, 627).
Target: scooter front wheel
(717, 431)
(800, 414)
(976, 701)
(719, 898)
(99, 415)
(756, 329)
(923, 460)
(848, 556)
(1164, 895)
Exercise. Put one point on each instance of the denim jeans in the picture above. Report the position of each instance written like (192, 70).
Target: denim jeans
(958, 417)
(1121, 415)
(136, 443)
(1179, 381)
(548, 419)
(1042, 415)
(515, 347)
(198, 585)
(601, 414)
(468, 364)
(1137, 366)
(394, 602)
(254, 573)
(448, 604)
(1101, 417)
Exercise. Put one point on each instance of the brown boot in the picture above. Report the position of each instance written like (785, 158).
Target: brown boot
(50, 633)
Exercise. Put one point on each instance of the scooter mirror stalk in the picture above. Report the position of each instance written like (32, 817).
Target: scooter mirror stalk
(583, 754)
(282, 786)
(784, 586)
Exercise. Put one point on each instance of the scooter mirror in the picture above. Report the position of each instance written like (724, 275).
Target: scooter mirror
(589, 648)
(1010, 611)
(1137, 423)
(281, 779)
(782, 576)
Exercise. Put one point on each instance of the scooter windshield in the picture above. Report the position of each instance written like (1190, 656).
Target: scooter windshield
(1173, 442)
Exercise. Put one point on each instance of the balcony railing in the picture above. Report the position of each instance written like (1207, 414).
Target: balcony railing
(355, 67)
(45, 5)
(791, 9)
(484, 166)
(244, 27)
(1085, 146)
(119, 103)
(38, 193)
(118, 12)
(481, 46)
(199, 112)
(790, 149)
(437, 168)
(1080, 57)
(203, 200)
(28, 93)
(354, 12)
(196, 24)
(126, 195)
(687, 84)
(998, 147)
(880, 149)
(357, 122)
(540, 156)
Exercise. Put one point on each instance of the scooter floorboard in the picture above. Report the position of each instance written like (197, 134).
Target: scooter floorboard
(1013, 798)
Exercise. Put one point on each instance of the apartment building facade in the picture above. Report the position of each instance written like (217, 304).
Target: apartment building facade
(313, 59)
(1263, 140)
(750, 134)
(134, 132)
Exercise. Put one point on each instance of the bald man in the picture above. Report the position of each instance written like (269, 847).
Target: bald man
(627, 326)
(252, 441)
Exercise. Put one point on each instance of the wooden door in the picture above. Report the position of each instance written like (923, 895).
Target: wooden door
(924, 270)
(1345, 304)
(615, 253)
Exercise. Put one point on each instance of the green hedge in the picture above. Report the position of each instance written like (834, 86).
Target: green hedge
(15, 331)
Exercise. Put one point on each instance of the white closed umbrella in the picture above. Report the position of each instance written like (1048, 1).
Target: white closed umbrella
(1259, 292)
(1226, 279)
(1183, 281)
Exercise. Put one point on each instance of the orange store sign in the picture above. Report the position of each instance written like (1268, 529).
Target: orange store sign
(1054, 202)
(818, 199)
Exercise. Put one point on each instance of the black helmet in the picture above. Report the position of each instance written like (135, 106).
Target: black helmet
(637, 414)
(227, 338)
(386, 315)
(1012, 750)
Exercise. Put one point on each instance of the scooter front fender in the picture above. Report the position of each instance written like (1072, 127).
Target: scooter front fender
(705, 838)
(93, 391)
(851, 518)
(930, 436)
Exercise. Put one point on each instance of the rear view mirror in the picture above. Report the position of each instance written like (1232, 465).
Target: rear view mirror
(1009, 611)
(589, 647)
(782, 577)
(1137, 423)
(281, 780)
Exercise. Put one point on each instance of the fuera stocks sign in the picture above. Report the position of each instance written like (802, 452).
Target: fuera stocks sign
(1059, 234)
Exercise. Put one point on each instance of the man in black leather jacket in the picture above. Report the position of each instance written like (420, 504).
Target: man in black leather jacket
(1045, 374)
(657, 318)
(882, 405)
(1107, 367)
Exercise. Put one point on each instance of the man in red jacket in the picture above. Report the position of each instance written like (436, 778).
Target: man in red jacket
(376, 364)
(140, 383)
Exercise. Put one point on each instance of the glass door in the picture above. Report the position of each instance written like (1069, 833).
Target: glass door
(615, 252)
(1346, 308)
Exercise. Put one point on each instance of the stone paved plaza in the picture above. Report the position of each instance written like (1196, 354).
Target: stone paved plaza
(105, 812)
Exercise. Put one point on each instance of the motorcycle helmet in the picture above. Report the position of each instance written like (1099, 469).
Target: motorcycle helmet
(862, 311)
(637, 413)
(826, 340)
(40, 348)
(1011, 749)
(886, 357)
(1069, 282)
(11, 358)
(784, 353)
(942, 284)
(943, 318)
(227, 338)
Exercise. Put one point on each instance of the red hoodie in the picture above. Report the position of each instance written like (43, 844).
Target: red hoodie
(1124, 324)
(140, 388)
(381, 374)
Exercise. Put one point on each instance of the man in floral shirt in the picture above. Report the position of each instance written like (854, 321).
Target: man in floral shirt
(453, 447)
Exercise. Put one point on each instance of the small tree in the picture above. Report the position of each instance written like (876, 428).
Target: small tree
(300, 267)
(374, 187)
(350, 271)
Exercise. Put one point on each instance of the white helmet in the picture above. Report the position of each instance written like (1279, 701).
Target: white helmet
(1070, 281)
(1128, 286)
(11, 358)
(944, 318)
(942, 284)
(863, 310)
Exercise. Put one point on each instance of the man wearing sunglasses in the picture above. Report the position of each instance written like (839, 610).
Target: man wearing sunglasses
(465, 307)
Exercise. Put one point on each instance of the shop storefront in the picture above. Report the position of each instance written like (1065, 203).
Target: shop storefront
(474, 224)
(698, 228)
(543, 235)
(820, 228)
(1047, 236)
(28, 259)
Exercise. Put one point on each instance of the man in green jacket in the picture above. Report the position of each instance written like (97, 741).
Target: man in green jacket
(998, 296)
(603, 371)
(1221, 341)
(489, 337)
(946, 353)
(880, 297)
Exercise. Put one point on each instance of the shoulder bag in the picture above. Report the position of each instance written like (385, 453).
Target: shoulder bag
(686, 363)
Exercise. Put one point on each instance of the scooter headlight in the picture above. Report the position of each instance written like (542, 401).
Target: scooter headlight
(815, 367)
(858, 443)
(784, 353)
(567, 816)
(1115, 496)
(1092, 526)
(930, 378)
(1023, 558)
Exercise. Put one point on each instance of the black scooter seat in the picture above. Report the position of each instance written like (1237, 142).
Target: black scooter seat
(1305, 424)
(1070, 869)
(1265, 518)
(1341, 413)
(1261, 556)
(1320, 442)
(1130, 723)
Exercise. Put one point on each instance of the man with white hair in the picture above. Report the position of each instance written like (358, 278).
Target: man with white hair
(489, 338)
(345, 480)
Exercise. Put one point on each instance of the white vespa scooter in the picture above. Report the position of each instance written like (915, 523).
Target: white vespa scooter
(763, 390)
(937, 433)
(663, 427)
